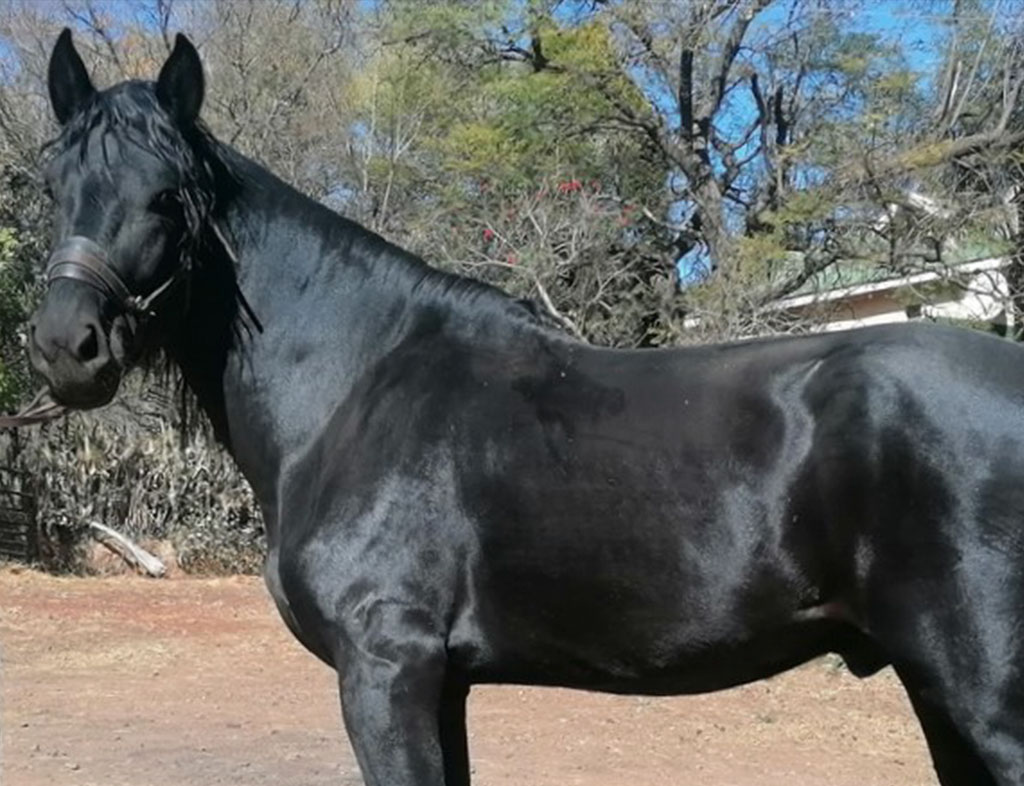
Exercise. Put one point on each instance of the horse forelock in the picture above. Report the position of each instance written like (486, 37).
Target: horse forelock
(132, 114)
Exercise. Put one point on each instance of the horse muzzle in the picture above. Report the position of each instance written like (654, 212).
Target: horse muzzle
(70, 347)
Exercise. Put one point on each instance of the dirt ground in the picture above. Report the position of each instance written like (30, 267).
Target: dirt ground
(131, 682)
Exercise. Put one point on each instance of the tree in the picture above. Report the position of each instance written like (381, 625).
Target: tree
(648, 171)
(765, 139)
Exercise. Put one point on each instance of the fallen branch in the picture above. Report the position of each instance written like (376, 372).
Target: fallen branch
(134, 555)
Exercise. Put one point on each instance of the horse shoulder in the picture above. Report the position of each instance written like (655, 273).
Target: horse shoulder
(361, 540)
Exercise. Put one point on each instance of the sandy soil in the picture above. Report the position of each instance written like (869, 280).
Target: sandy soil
(130, 682)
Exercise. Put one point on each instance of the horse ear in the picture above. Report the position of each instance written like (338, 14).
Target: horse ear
(180, 84)
(69, 83)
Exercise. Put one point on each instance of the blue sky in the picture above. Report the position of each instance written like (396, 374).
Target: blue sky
(918, 32)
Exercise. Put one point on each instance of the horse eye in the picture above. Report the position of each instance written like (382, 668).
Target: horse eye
(164, 202)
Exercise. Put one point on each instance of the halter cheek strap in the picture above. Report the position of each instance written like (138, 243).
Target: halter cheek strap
(82, 259)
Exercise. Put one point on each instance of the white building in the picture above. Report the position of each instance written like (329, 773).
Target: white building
(975, 291)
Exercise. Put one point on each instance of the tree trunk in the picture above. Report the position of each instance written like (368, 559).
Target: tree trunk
(1015, 270)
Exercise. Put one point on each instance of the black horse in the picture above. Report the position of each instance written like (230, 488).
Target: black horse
(455, 493)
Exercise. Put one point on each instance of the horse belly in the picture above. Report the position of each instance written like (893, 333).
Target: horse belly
(640, 653)
(637, 616)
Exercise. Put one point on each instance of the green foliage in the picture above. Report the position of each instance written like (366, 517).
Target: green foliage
(508, 125)
(17, 292)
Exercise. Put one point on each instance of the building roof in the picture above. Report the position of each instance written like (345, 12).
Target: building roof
(868, 287)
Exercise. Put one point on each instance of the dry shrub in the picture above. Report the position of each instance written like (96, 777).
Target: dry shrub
(128, 469)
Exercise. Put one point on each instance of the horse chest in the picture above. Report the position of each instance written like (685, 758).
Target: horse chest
(307, 634)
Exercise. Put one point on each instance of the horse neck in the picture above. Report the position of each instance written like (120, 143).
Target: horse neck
(317, 284)
(332, 298)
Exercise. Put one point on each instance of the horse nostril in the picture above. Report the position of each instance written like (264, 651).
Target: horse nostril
(88, 346)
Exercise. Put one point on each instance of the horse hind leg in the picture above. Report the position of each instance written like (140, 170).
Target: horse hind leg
(452, 723)
(954, 758)
(964, 687)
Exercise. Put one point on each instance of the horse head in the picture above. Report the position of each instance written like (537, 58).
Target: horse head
(133, 201)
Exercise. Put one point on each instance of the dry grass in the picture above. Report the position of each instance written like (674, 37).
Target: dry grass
(129, 469)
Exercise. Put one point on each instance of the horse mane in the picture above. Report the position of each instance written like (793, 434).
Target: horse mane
(424, 281)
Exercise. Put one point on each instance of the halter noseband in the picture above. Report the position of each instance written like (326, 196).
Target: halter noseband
(82, 259)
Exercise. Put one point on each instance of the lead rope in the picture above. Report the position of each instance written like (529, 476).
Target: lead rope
(41, 409)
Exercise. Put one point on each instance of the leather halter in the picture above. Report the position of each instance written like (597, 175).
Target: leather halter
(82, 259)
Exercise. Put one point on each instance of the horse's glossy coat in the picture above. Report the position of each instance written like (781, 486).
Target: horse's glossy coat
(454, 493)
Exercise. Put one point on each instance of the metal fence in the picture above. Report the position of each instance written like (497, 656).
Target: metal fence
(19, 531)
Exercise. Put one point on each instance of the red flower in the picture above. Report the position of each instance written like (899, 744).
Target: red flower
(488, 234)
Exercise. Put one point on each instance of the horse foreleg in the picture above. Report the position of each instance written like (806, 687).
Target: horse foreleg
(403, 710)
